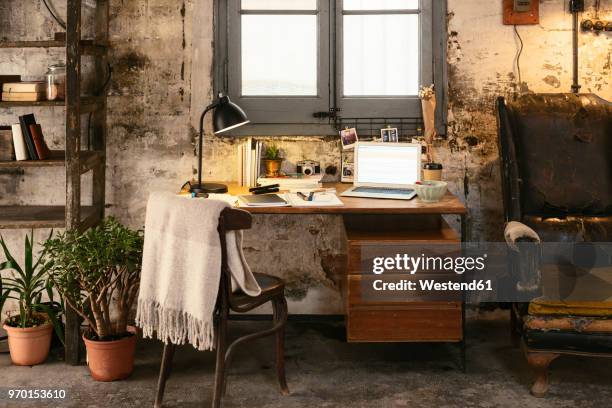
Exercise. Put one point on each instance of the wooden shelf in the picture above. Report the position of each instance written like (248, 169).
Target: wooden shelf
(89, 159)
(43, 216)
(88, 47)
(88, 104)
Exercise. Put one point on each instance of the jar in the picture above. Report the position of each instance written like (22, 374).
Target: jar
(432, 172)
(56, 82)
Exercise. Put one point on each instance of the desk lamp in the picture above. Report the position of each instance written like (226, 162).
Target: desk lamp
(227, 116)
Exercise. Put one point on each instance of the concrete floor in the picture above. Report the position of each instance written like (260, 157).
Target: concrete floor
(324, 371)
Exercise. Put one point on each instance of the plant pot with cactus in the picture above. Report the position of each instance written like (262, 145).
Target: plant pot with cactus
(98, 274)
(272, 161)
(31, 329)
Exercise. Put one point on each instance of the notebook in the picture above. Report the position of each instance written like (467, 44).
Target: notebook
(262, 200)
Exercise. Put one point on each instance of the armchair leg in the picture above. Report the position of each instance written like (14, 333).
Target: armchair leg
(539, 362)
(280, 316)
(515, 337)
(164, 373)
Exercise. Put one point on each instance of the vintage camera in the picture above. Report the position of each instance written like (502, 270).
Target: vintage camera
(308, 167)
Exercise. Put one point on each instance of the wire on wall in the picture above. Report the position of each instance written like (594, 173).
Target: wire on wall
(50, 9)
(518, 57)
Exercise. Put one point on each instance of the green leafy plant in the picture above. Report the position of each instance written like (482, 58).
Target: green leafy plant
(27, 284)
(4, 294)
(98, 271)
(272, 152)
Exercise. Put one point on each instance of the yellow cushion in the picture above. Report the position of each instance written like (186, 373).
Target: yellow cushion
(547, 307)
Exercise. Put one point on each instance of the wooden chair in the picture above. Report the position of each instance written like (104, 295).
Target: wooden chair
(272, 290)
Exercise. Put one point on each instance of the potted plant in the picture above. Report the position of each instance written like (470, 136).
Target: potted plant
(98, 272)
(30, 331)
(272, 160)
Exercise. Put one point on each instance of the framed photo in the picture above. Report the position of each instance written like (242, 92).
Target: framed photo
(348, 137)
(348, 167)
(389, 135)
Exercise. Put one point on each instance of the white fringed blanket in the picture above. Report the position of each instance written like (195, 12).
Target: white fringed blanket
(181, 269)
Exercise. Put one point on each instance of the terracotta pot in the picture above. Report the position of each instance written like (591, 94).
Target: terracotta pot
(272, 166)
(111, 360)
(29, 346)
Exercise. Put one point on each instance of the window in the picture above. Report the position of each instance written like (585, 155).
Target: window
(291, 62)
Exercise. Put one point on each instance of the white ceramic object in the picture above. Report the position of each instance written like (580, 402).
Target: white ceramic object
(431, 191)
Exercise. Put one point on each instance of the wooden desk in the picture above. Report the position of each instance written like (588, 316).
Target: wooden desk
(378, 222)
(449, 204)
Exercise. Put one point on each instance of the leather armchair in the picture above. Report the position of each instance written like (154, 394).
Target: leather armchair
(556, 161)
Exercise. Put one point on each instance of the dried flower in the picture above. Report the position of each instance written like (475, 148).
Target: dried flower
(427, 92)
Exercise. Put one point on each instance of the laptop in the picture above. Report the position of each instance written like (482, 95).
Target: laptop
(386, 170)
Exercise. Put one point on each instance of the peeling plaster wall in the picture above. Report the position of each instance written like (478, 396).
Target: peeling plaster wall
(161, 52)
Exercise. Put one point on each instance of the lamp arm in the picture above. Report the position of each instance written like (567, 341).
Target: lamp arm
(200, 142)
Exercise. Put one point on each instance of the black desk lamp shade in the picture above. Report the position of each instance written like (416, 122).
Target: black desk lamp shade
(227, 116)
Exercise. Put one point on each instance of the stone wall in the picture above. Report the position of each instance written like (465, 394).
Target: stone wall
(161, 82)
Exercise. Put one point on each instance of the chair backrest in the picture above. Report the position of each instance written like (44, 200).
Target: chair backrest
(556, 155)
(231, 219)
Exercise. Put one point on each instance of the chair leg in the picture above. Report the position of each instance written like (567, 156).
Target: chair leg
(539, 362)
(279, 305)
(164, 373)
(219, 386)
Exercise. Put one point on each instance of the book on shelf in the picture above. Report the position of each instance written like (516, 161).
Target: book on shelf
(24, 96)
(249, 162)
(8, 78)
(25, 121)
(21, 151)
(7, 152)
(23, 87)
(42, 150)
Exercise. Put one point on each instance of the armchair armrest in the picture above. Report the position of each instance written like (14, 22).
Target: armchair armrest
(524, 257)
(517, 232)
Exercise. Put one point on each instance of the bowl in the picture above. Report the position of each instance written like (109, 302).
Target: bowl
(431, 191)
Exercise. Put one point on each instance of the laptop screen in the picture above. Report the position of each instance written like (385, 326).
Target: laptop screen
(388, 163)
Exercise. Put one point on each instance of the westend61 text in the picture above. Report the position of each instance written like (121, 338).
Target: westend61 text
(432, 285)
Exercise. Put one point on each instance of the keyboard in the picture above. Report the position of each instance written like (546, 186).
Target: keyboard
(393, 193)
(383, 190)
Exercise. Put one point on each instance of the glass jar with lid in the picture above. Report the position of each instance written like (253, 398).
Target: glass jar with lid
(56, 82)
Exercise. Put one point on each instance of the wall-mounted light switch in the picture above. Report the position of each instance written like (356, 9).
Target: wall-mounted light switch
(520, 12)
(522, 6)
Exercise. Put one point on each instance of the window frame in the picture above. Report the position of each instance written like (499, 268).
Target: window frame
(300, 119)
(377, 107)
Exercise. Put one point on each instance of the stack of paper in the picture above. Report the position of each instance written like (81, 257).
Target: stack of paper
(323, 199)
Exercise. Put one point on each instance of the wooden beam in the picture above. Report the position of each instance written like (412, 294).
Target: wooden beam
(73, 140)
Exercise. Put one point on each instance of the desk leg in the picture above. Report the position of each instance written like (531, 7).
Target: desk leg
(462, 345)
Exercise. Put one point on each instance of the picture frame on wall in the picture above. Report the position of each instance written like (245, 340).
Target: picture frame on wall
(348, 167)
(348, 137)
(389, 135)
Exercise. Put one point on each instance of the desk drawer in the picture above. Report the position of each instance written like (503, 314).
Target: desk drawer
(405, 324)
